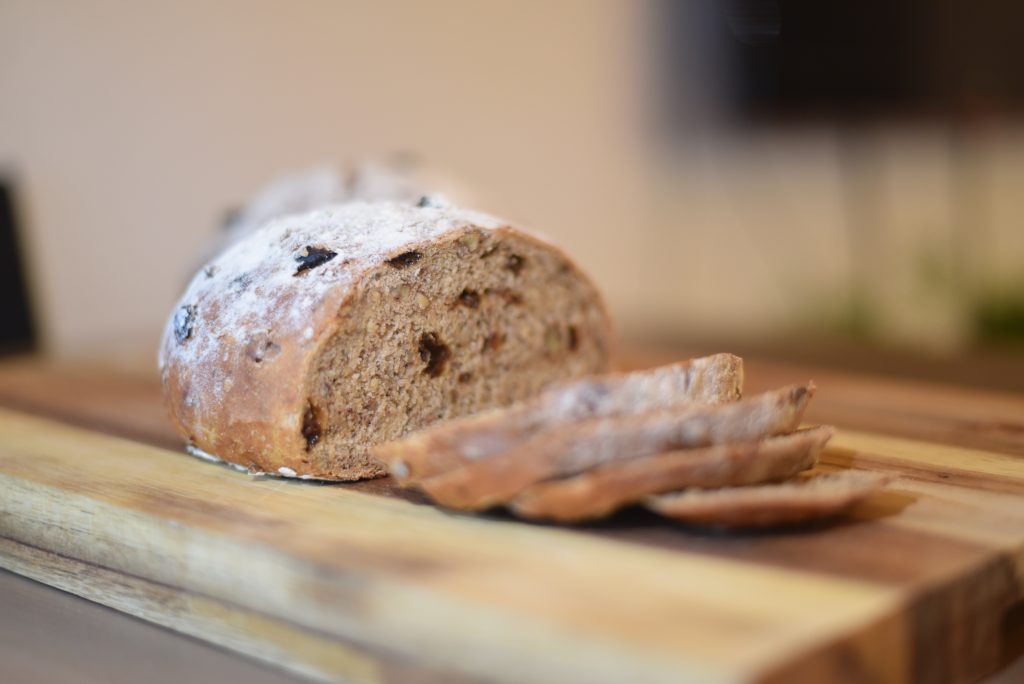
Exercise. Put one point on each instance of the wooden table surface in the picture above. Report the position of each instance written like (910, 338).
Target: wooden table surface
(129, 406)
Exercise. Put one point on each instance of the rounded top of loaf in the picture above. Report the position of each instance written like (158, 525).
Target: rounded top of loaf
(286, 281)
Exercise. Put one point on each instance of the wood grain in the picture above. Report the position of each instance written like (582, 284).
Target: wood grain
(363, 582)
(929, 563)
(921, 410)
(108, 401)
(918, 409)
(48, 636)
(271, 641)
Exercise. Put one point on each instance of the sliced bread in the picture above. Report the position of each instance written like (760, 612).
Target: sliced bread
(603, 490)
(813, 498)
(445, 446)
(584, 444)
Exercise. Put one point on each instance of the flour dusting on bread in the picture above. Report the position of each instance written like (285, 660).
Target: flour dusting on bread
(259, 272)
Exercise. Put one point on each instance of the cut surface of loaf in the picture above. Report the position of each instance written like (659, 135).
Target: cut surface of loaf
(587, 443)
(320, 335)
(813, 498)
(442, 447)
(607, 488)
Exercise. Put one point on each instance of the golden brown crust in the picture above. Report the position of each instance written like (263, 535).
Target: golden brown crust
(605, 489)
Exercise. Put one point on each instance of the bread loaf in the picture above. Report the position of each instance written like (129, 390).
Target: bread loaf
(708, 380)
(318, 336)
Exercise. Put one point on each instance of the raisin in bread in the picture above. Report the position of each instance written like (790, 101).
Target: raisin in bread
(320, 335)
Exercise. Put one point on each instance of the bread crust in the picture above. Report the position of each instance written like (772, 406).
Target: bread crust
(235, 358)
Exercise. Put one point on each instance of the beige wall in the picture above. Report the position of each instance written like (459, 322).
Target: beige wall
(132, 126)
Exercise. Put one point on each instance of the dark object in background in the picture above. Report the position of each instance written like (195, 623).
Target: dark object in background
(782, 61)
(999, 318)
(17, 332)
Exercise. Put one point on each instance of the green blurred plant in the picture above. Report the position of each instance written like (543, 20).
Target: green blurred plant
(998, 315)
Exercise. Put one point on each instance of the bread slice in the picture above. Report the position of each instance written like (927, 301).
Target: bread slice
(817, 497)
(445, 446)
(321, 334)
(588, 443)
(607, 488)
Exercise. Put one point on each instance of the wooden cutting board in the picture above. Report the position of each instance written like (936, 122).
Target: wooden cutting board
(366, 583)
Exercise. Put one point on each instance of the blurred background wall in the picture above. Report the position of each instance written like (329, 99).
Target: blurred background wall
(129, 128)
